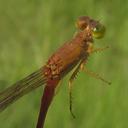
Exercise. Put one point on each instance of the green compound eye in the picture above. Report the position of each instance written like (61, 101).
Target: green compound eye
(98, 31)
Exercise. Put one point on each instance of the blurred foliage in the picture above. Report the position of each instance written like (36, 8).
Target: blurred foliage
(31, 30)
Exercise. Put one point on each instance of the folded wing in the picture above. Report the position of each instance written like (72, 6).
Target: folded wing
(21, 88)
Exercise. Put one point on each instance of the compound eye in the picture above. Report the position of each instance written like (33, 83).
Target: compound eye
(82, 22)
(98, 31)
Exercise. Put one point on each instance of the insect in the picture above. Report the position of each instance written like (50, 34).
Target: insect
(72, 55)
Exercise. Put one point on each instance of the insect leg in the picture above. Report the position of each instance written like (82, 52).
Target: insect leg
(70, 98)
(58, 87)
(99, 49)
(95, 75)
(72, 78)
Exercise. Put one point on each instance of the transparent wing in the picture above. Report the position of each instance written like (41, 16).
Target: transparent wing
(21, 88)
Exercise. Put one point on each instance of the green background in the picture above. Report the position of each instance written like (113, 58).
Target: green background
(31, 30)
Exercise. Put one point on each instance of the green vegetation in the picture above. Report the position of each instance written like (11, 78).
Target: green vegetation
(31, 30)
